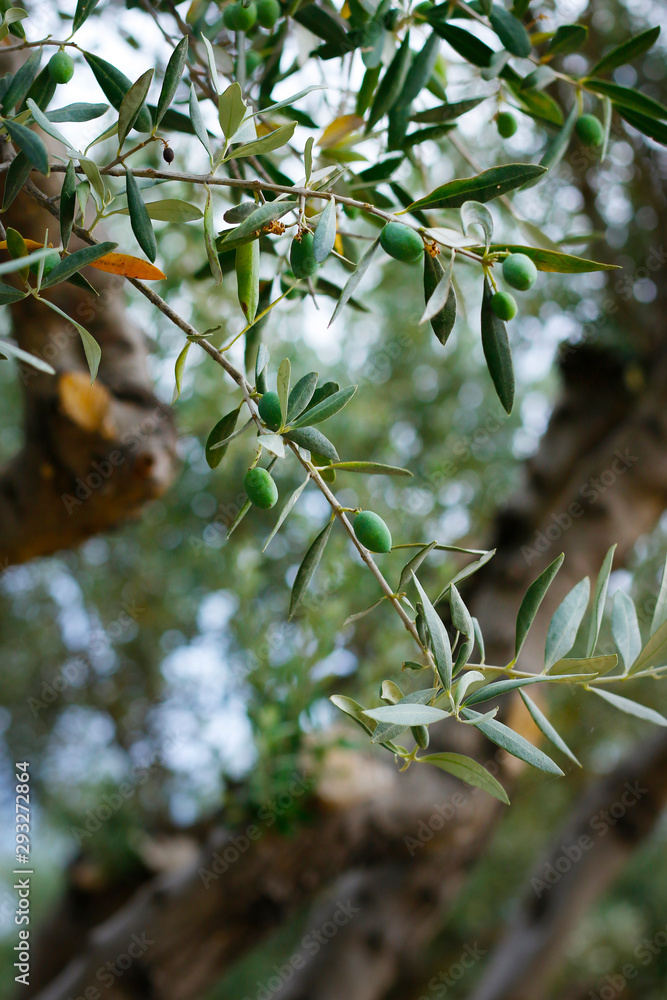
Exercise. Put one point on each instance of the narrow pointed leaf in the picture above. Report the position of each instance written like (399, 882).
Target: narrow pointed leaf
(482, 187)
(45, 124)
(407, 715)
(545, 727)
(660, 610)
(565, 623)
(353, 281)
(84, 9)
(325, 232)
(627, 51)
(6, 347)
(631, 707)
(283, 385)
(464, 573)
(442, 650)
(222, 430)
(301, 395)
(497, 688)
(115, 85)
(510, 31)
(77, 112)
(142, 227)
(371, 468)
(285, 511)
(209, 240)
(274, 140)
(496, 346)
(198, 123)
(352, 708)
(231, 110)
(413, 565)
(75, 261)
(132, 104)
(654, 653)
(438, 292)
(515, 744)
(327, 408)
(30, 144)
(172, 78)
(307, 569)
(625, 628)
(239, 517)
(626, 97)
(599, 599)
(90, 346)
(467, 770)
(532, 600)
(179, 368)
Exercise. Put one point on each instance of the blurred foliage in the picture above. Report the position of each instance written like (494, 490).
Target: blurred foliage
(182, 662)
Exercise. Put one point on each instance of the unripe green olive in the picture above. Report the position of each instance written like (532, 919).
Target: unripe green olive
(372, 532)
(302, 258)
(260, 488)
(269, 410)
(401, 242)
(61, 67)
(236, 17)
(506, 124)
(50, 262)
(268, 12)
(590, 130)
(504, 305)
(519, 271)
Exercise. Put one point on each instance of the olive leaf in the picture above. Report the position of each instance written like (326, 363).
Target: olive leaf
(283, 385)
(84, 9)
(467, 770)
(142, 227)
(307, 569)
(231, 110)
(627, 51)
(198, 123)
(222, 430)
(532, 600)
(495, 344)
(545, 727)
(179, 368)
(90, 346)
(301, 395)
(327, 408)
(625, 628)
(482, 187)
(171, 80)
(515, 744)
(565, 623)
(354, 280)
(132, 104)
(115, 85)
(209, 240)
(313, 441)
(325, 232)
(599, 598)
(440, 297)
(75, 261)
(30, 144)
(285, 511)
(473, 213)
(442, 650)
(631, 707)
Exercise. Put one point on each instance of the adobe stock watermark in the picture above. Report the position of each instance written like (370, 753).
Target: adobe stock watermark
(74, 671)
(645, 952)
(267, 815)
(600, 824)
(592, 491)
(440, 984)
(111, 802)
(311, 944)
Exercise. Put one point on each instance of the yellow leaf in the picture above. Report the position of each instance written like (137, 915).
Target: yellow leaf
(128, 266)
(345, 12)
(30, 245)
(338, 129)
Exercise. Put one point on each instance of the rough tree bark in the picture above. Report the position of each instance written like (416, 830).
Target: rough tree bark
(92, 455)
